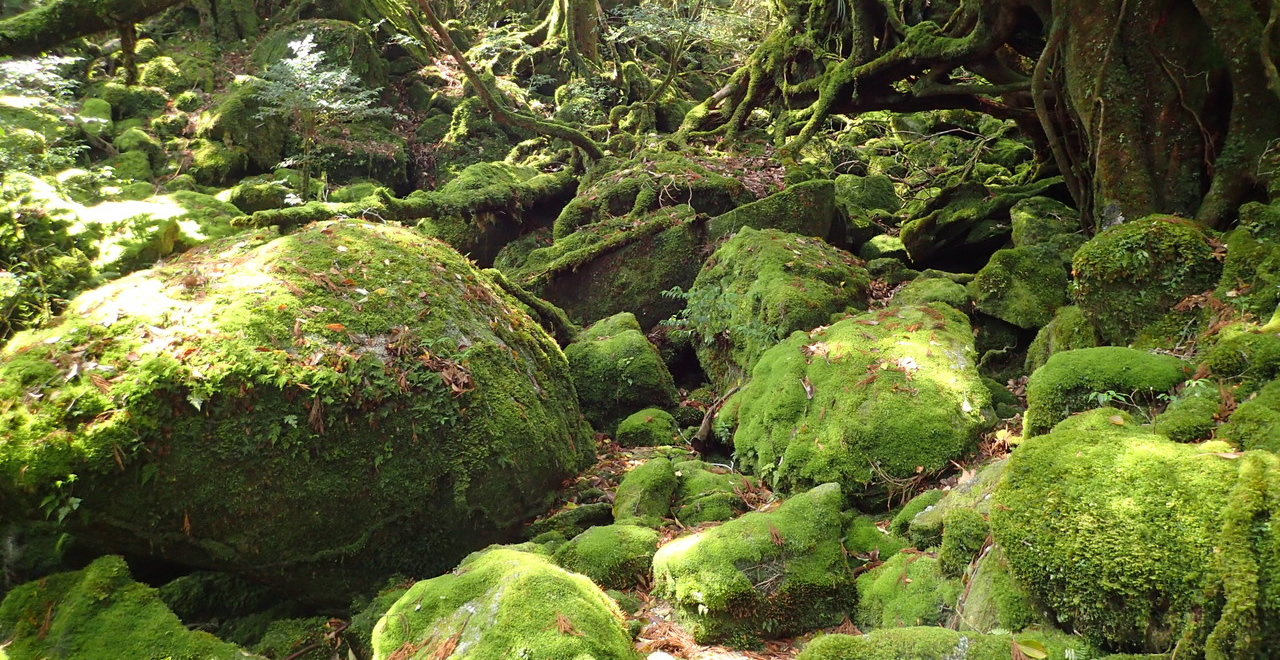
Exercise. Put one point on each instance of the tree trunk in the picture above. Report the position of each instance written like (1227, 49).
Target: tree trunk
(59, 21)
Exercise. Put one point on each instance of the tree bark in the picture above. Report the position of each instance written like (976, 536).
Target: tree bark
(57, 22)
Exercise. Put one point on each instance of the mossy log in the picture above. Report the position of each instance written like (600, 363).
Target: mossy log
(53, 23)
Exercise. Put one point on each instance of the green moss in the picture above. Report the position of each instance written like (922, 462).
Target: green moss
(924, 290)
(964, 534)
(233, 121)
(138, 233)
(1069, 330)
(94, 118)
(344, 45)
(908, 589)
(1138, 542)
(901, 522)
(1255, 424)
(761, 575)
(926, 528)
(354, 192)
(230, 426)
(572, 521)
(806, 209)
(758, 288)
(613, 556)
(617, 371)
(866, 193)
(1246, 353)
(891, 270)
(883, 246)
(933, 643)
(1023, 286)
(878, 396)
(134, 101)
(865, 541)
(252, 197)
(965, 214)
(647, 428)
(188, 101)
(504, 604)
(1072, 381)
(130, 166)
(163, 72)
(215, 164)
(644, 496)
(135, 139)
(99, 612)
(707, 493)
(364, 150)
(290, 638)
(367, 613)
(1132, 275)
(1041, 220)
(1251, 272)
(993, 598)
(1191, 416)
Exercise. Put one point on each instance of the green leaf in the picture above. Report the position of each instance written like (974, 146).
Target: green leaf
(1033, 649)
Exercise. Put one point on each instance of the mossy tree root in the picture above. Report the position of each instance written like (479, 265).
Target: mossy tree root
(549, 316)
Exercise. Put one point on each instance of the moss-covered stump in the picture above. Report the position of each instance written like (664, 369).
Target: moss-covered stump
(613, 556)
(233, 121)
(708, 493)
(617, 371)
(1022, 286)
(908, 589)
(1255, 424)
(878, 396)
(644, 496)
(1251, 272)
(646, 183)
(100, 613)
(1072, 381)
(345, 45)
(650, 427)
(1068, 330)
(934, 643)
(1140, 543)
(806, 209)
(924, 290)
(761, 286)
(207, 406)
(761, 575)
(621, 265)
(501, 604)
(1132, 276)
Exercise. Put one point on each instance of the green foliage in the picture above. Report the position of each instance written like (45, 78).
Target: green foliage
(1072, 381)
(312, 99)
(908, 589)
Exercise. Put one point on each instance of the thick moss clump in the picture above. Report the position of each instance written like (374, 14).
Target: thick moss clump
(345, 46)
(761, 286)
(644, 496)
(994, 599)
(650, 427)
(1022, 286)
(924, 290)
(1072, 381)
(1067, 331)
(761, 575)
(1140, 543)
(933, 643)
(1192, 416)
(501, 604)
(572, 522)
(233, 121)
(1246, 352)
(707, 493)
(926, 529)
(214, 401)
(806, 209)
(908, 589)
(617, 371)
(901, 522)
(879, 396)
(613, 556)
(100, 613)
(1131, 276)
(1255, 424)
(1047, 222)
(964, 533)
(1251, 273)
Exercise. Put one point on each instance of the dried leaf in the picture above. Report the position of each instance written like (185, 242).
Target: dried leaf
(336, 327)
(808, 387)
(776, 537)
(186, 523)
(1116, 419)
(565, 626)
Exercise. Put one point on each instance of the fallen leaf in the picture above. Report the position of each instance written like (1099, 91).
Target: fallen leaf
(336, 327)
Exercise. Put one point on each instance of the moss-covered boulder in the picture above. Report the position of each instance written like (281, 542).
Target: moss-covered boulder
(925, 290)
(345, 46)
(969, 217)
(709, 493)
(927, 526)
(1139, 543)
(617, 371)
(503, 603)
(878, 396)
(935, 643)
(138, 233)
(1246, 353)
(806, 209)
(644, 495)
(1068, 330)
(100, 613)
(650, 427)
(1072, 381)
(233, 120)
(883, 246)
(130, 101)
(758, 288)
(864, 204)
(761, 575)
(1193, 414)
(136, 139)
(1251, 272)
(205, 407)
(215, 163)
(94, 118)
(900, 524)
(964, 535)
(1255, 424)
(1044, 221)
(613, 556)
(993, 599)
(1023, 286)
(908, 589)
(1131, 276)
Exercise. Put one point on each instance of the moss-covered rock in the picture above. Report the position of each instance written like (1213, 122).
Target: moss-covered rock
(617, 372)
(94, 118)
(1131, 276)
(163, 72)
(908, 589)
(136, 139)
(1251, 272)
(363, 150)
(806, 209)
(1192, 415)
(501, 604)
(926, 529)
(100, 613)
(880, 395)
(900, 525)
(233, 120)
(1041, 221)
(250, 197)
(215, 163)
(203, 413)
(761, 286)
(130, 166)
(864, 204)
(647, 428)
(994, 599)
(1247, 353)
(128, 101)
(964, 534)
(345, 46)
(1139, 543)
(613, 556)
(644, 496)
(761, 575)
(925, 290)
(1069, 330)
(572, 521)
(1255, 424)
(968, 216)
(1072, 381)
(708, 493)
(1023, 286)
(883, 246)
(934, 643)
(138, 233)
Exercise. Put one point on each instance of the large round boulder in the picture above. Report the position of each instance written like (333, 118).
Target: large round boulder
(316, 411)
